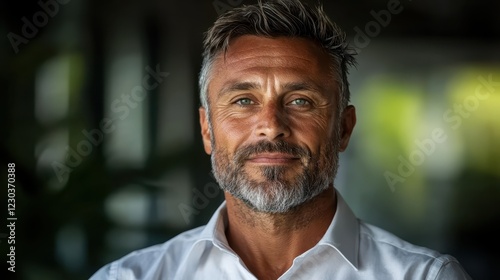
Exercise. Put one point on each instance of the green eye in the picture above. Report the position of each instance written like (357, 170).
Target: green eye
(299, 102)
(244, 101)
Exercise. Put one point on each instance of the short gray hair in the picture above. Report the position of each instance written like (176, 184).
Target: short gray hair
(289, 18)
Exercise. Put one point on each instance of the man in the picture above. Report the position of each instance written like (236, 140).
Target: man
(274, 117)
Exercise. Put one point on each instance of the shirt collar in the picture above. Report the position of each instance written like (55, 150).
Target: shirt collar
(342, 234)
(215, 229)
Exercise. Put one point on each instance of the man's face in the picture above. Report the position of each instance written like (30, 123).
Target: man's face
(275, 129)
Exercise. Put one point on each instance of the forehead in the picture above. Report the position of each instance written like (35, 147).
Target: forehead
(284, 59)
(276, 48)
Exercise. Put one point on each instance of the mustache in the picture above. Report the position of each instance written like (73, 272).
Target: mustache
(270, 147)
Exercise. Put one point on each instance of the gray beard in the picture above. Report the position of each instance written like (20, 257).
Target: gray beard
(276, 193)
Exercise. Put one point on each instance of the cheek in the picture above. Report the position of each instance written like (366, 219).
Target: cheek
(230, 129)
(315, 130)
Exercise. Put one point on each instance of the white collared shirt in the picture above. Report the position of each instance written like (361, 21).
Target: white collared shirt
(350, 249)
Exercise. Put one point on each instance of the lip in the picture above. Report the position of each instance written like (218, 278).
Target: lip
(273, 158)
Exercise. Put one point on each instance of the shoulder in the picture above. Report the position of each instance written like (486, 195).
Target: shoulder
(385, 240)
(401, 257)
(172, 250)
(160, 259)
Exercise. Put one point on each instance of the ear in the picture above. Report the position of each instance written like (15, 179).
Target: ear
(205, 131)
(348, 120)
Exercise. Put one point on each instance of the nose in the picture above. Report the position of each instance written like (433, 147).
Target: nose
(272, 122)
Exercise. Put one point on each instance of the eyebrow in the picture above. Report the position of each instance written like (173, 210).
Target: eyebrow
(298, 86)
(238, 86)
(286, 87)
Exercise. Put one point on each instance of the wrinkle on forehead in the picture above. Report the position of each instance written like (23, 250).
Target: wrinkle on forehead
(280, 51)
(260, 59)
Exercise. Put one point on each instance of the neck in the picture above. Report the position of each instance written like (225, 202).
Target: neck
(268, 243)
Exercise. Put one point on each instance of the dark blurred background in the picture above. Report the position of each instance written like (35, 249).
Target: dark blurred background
(99, 115)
